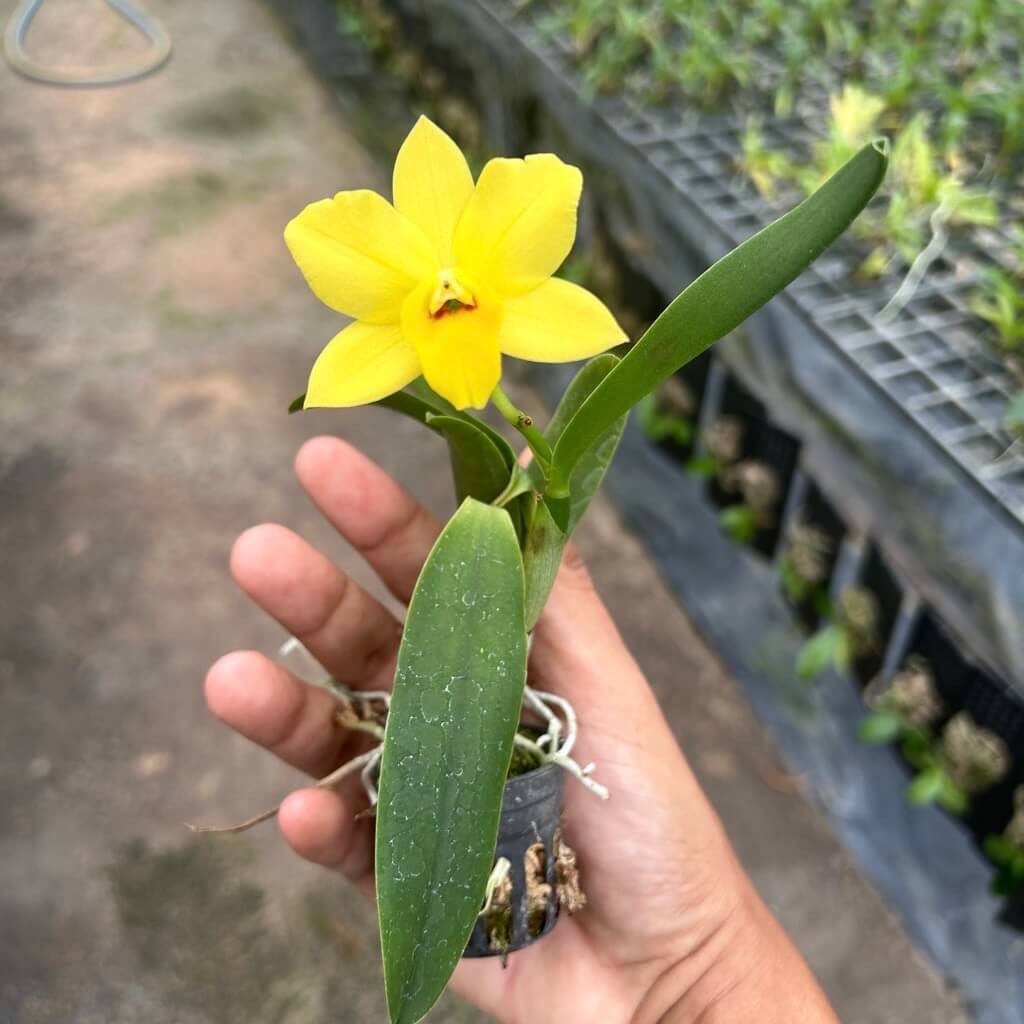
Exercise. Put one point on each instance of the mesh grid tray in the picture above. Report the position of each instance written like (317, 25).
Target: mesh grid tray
(930, 360)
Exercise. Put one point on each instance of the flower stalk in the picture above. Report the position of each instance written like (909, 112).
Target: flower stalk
(525, 425)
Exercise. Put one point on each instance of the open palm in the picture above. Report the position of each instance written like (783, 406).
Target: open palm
(672, 927)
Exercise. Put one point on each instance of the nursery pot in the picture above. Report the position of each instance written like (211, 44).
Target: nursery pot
(531, 812)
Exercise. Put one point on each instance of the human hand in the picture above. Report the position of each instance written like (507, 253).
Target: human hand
(673, 930)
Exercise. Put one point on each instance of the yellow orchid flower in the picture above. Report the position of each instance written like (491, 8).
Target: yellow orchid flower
(449, 278)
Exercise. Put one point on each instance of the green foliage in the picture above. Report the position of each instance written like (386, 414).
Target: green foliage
(478, 469)
(921, 194)
(542, 555)
(454, 711)
(662, 426)
(717, 302)
(1008, 858)
(767, 54)
(795, 587)
(704, 466)
(589, 470)
(739, 521)
(1013, 419)
(999, 301)
(828, 648)
(545, 539)
(462, 661)
(880, 727)
(767, 168)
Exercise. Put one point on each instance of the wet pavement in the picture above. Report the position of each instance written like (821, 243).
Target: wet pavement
(152, 330)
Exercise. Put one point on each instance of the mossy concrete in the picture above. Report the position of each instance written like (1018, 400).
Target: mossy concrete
(142, 426)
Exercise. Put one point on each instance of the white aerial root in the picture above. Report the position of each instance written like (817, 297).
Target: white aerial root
(550, 748)
(326, 782)
(919, 268)
(356, 711)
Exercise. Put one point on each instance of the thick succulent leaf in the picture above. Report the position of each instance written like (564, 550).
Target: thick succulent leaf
(420, 389)
(448, 743)
(717, 302)
(578, 391)
(545, 540)
(592, 465)
(478, 467)
(404, 402)
(409, 405)
(542, 555)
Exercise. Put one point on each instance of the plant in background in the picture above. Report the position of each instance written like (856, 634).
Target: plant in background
(767, 168)
(975, 757)
(852, 633)
(667, 414)
(759, 489)
(924, 195)
(721, 445)
(804, 566)
(1006, 851)
(1013, 418)
(999, 301)
(952, 766)
(754, 482)
(442, 284)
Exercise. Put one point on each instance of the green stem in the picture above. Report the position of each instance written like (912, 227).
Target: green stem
(524, 424)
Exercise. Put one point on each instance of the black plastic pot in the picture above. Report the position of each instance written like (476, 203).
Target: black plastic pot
(531, 813)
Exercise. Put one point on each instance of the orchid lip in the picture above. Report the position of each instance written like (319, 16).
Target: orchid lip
(450, 295)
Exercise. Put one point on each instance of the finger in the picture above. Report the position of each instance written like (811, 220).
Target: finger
(320, 825)
(349, 632)
(268, 705)
(388, 527)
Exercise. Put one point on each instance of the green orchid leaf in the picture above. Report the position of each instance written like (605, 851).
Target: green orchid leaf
(919, 747)
(703, 467)
(409, 405)
(520, 483)
(739, 522)
(818, 653)
(952, 797)
(478, 467)
(880, 727)
(542, 555)
(716, 303)
(1005, 882)
(422, 391)
(448, 743)
(926, 787)
(405, 402)
(579, 390)
(545, 539)
(590, 469)
(1000, 850)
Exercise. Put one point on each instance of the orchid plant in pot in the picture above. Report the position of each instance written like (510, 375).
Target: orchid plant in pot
(466, 768)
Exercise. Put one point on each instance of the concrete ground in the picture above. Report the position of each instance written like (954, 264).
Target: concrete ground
(152, 331)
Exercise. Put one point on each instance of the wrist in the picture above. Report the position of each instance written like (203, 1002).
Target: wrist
(744, 970)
